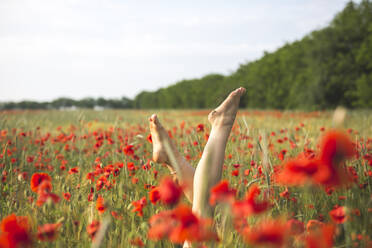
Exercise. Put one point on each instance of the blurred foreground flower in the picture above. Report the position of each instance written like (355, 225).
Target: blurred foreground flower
(92, 228)
(169, 192)
(271, 233)
(48, 232)
(250, 204)
(321, 237)
(15, 232)
(295, 227)
(179, 225)
(327, 168)
(222, 193)
(45, 194)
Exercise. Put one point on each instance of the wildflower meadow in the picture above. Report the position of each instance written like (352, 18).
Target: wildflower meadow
(86, 178)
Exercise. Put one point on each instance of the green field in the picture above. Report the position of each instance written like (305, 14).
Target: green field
(56, 141)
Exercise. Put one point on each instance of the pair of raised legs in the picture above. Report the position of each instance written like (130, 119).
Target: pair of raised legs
(208, 172)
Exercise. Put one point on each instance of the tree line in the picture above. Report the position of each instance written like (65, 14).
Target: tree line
(68, 103)
(326, 68)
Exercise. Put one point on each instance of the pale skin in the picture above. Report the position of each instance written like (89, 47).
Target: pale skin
(208, 172)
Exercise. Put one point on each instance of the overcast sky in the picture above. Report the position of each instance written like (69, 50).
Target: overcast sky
(115, 48)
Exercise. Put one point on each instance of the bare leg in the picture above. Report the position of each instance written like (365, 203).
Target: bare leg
(160, 138)
(209, 169)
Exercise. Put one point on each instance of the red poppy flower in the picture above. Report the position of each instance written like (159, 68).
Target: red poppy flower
(250, 205)
(48, 232)
(161, 225)
(37, 179)
(15, 232)
(139, 205)
(93, 228)
(285, 194)
(282, 154)
(73, 170)
(222, 193)
(190, 227)
(272, 233)
(45, 196)
(134, 180)
(295, 227)
(302, 170)
(101, 182)
(67, 196)
(128, 150)
(324, 169)
(321, 237)
(200, 128)
(235, 173)
(236, 166)
(90, 197)
(335, 147)
(4, 132)
(116, 215)
(154, 195)
(338, 215)
(100, 205)
(131, 166)
(149, 138)
(179, 225)
(137, 242)
(44, 187)
(169, 191)
(30, 159)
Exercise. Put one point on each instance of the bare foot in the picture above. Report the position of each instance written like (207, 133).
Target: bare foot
(159, 135)
(224, 115)
(179, 167)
